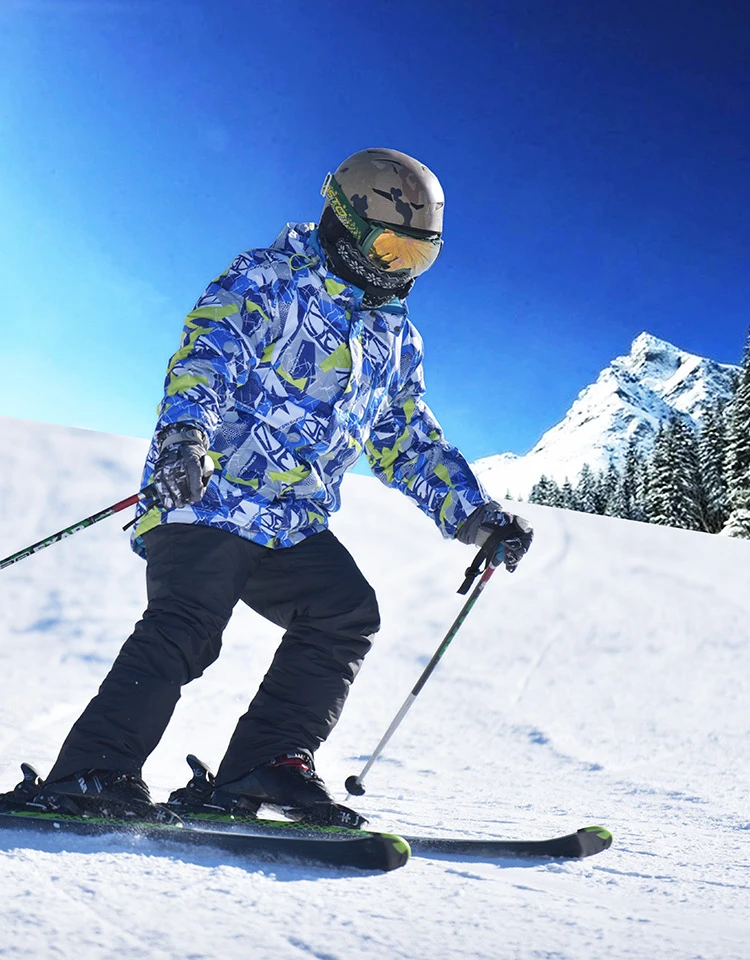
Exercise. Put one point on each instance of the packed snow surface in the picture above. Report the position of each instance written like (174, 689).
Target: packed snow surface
(605, 682)
(627, 402)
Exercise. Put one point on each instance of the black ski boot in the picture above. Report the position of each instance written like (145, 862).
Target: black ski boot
(105, 794)
(289, 784)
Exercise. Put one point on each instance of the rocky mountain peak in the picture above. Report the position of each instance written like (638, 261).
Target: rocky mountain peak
(629, 399)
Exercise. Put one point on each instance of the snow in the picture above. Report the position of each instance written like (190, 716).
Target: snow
(628, 400)
(605, 682)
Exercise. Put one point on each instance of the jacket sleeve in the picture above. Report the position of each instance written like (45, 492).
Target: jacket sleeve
(407, 450)
(222, 340)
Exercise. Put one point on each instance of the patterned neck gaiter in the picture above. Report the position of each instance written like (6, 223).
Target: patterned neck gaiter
(349, 263)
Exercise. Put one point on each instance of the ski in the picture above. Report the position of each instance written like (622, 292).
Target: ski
(585, 842)
(190, 804)
(329, 846)
(265, 840)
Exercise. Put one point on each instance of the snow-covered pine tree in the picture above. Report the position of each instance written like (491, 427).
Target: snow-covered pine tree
(711, 456)
(612, 505)
(556, 498)
(686, 492)
(642, 475)
(675, 498)
(658, 500)
(569, 499)
(738, 454)
(619, 503)
(600, 494)
(545, 492)
(538, 493)
(586, 490)
(631, 494)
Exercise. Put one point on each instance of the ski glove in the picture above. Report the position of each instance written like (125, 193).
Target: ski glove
(183, 469)
(514, 533)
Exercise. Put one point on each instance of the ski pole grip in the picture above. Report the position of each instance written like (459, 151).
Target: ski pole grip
(148, 493)
(491, 554)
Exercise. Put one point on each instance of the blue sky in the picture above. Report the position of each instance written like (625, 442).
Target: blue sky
(595, 159)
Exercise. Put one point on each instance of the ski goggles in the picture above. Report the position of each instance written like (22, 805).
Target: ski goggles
(386, 247)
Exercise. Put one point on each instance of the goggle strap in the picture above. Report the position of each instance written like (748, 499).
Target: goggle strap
(345, 212)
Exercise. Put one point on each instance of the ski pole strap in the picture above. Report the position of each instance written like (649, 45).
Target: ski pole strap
(490, 555)
(147, 493)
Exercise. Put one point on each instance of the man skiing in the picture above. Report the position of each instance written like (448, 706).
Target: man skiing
(294, 361)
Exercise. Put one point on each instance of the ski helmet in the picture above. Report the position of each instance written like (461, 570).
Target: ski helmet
(392, 205)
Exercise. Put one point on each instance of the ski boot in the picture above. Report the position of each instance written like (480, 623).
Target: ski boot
(100, 794)
(288, 784)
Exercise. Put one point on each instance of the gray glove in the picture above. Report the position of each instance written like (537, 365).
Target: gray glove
(490, 520)
(183, 469)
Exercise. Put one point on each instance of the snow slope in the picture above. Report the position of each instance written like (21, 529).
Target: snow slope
(628, 401)
(606, 681)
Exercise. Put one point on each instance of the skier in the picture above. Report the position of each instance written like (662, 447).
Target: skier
(295, 360)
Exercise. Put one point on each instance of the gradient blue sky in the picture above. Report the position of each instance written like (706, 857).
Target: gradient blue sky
(595, 158)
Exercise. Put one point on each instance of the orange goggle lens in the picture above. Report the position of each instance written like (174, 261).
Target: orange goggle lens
(393, 251)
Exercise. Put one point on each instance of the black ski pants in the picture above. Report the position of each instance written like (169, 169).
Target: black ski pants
(195, 576)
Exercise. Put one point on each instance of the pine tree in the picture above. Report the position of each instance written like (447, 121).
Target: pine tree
(658, 499)
(556, 498)
(541, 492)
(642, 478)
(600, 495)
(619, 503)
(586, 491)
(711, 456)
(738, 454)
(631, 493)
(674, 497)
(569, 499)
(612, 505)
(687, 503)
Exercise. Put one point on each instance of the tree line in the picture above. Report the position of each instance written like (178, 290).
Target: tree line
(697, 478)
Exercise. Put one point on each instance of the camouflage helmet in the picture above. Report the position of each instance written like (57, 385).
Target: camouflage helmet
(391, 187)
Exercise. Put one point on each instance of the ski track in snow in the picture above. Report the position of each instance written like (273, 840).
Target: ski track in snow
(606, 681)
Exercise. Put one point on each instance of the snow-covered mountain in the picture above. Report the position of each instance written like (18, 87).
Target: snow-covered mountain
(606, 681)
(628, 400)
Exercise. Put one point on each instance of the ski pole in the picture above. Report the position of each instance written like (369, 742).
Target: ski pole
(148, 493)
(493, 554)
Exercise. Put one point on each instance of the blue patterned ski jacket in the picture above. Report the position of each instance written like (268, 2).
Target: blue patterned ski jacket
(292, 379)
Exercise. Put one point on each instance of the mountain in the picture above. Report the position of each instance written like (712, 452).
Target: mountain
(628, 401)
(606, 680)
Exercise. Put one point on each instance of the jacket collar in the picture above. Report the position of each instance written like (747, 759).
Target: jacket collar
(300, 241)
